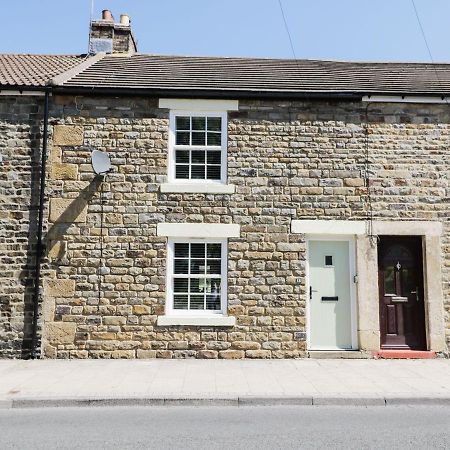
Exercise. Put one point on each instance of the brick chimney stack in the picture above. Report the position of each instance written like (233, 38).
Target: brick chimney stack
(110, 37)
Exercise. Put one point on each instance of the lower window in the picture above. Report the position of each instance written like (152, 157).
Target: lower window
(196, 276)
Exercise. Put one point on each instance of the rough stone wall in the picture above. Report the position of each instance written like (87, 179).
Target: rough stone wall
(20, 120)
(287, 159)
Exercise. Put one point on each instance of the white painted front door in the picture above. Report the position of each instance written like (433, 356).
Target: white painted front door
(330, 305)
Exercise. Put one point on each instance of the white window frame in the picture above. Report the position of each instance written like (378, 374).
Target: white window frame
(170, 311)
(173, 147)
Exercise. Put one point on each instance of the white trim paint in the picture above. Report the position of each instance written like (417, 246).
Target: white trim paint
(198, 188)
(353, 295)
(198, 230)
(170, 311)
(172, 147)
(332, 227)
(403, 99)
(186, 104)
(206, 321)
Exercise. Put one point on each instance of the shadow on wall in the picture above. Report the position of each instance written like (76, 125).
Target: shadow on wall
(65, 212)
(62, 214)
(26, 276)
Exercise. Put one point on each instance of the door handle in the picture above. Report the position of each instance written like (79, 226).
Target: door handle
(311, 290)
(399, 299)
(417, 293)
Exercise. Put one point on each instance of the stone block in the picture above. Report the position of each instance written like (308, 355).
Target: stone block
(114, 320)
(207, 354)
(67, 135)
(353, 182)
(141, 310)
(60, 333)
(289, 247)
(260, 354)
(113, 218)
(246, 345)
(56, 155)
(64, 171)
(59, 288)
(146, 354)
(231, 354)
(48, 351)
(122, 354)
(68, 210)
(56, 249)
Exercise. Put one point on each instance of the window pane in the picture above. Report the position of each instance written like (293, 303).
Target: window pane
(197, 285)
(197, 302)
(198, 138)
(213, 302)
(213, 266)
(198, 250)
(214, 123)
(214, 157)
(198, 157)
(199, 123)
(213, 172)
(182, 171)
(214, 138)
(180, 285)
(182, 138)
(181, 266)
(183, 123)
(389, 280)
(212, 285)
(214, 250)
(180, 302)
(198, 266)
(182, 156)
(182, 250)
(198, 172)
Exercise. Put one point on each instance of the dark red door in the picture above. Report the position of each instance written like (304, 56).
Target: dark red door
(400, 278)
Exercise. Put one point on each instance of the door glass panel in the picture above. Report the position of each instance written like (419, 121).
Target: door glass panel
(389, 280)
(409, 282)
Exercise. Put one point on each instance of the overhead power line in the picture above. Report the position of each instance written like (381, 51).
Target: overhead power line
(429, 50)
(287, 28)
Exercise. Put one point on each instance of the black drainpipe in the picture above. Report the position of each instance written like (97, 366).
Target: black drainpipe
(39, 246)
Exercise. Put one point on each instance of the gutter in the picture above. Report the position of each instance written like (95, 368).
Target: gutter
(39, 245)
(205, 93)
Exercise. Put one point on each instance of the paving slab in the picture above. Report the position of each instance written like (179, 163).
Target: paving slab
(235, 382)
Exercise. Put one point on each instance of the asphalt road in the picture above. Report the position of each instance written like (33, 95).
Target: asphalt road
(188, 427)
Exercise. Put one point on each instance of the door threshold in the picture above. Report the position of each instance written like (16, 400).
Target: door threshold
(338, 354)
(404, 354)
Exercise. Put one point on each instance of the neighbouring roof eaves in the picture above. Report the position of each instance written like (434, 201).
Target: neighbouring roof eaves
(34, 70)
(141, 71)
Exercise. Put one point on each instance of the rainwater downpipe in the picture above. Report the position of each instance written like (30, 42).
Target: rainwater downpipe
(39, 245)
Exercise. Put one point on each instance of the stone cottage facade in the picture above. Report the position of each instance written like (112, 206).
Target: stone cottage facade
(298, 210)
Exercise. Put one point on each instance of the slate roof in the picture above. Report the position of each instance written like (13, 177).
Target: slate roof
(34, 70)
(248, 75)
(263, 75)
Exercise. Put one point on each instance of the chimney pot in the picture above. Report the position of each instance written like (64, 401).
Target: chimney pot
(106, 15)
(125, 20)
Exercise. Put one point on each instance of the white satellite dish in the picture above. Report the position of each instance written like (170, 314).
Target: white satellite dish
(101, 163)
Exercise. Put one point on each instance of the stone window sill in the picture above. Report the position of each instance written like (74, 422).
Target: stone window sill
(198, 188)
(212, 321)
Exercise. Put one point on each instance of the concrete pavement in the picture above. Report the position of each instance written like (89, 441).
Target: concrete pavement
(235, 382)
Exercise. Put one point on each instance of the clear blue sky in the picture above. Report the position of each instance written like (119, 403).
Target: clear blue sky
(320, 29)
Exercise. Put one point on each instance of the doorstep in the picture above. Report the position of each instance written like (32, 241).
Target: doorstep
(338, 354)
(404, 354)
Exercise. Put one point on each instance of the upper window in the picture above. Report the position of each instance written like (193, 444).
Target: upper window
(197, 276)
(198, 148)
